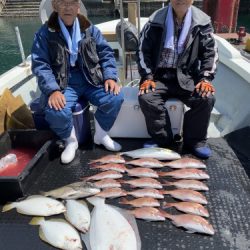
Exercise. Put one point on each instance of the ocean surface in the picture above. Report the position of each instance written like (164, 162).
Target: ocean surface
(9, 51)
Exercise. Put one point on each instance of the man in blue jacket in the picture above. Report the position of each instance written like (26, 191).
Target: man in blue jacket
(177, 57)
(71, 59)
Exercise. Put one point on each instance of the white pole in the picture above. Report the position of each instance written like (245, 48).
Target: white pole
(123, 41)
(19, 40)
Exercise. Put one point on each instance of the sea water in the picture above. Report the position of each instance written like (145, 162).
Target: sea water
(9, 51)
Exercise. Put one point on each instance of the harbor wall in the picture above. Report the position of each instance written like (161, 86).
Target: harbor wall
(2, 3)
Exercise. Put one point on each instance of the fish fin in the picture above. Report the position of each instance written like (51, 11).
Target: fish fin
(123, 201)
(190, 231)
(9, 206)
(42, 235)
(36, 220)
(167, 205)
(96, 201)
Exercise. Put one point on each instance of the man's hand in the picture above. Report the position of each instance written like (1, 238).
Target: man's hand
(57, 100)
(146, 85)
(112, 86)
(205, 88)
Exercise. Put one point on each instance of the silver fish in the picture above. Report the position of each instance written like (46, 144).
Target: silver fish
(193, 223)
(185, 163)
(74, 191)
(157, 153)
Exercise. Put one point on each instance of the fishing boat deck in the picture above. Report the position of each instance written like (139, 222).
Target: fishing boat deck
(228, 202)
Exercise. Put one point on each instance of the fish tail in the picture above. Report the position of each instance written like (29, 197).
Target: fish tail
(36, 220)
(167, 183)
(167, 204)
(124, 201)
(162, 173)
(165, 214)
(44, 193)
(8, 206)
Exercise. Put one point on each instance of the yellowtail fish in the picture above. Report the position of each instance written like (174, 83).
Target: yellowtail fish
(109, 159)
(185, 163)
(157, 153)
(146, 162)
(142, 172)
(112, 193)
(78, 214)
(193, 223)
(58, 233)
(143, 183)
(190, 173)
(107, 183)
(187, 195)
(188, 207)
(111, 166)
(104, 175)
(74, 191)
(147, 192)
(188, 184)
(148, 213)
(141, 202)
(37, 205)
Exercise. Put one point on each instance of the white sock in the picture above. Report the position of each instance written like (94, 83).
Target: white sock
(71, 145)
(101, 137)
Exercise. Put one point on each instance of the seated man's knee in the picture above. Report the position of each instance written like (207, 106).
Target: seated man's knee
(58, 117)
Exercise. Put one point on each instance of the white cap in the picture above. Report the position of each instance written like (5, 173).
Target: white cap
(46, 9)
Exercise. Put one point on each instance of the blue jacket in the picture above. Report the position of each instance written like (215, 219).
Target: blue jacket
(52, 70)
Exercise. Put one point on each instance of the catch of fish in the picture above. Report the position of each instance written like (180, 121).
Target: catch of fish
(107, 227)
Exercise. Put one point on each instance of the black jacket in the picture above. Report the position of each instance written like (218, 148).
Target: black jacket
(199, 58)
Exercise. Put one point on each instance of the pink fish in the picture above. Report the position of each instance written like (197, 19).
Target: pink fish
(107, 183)
(147, 192)
(185, 163)
(148, 213)
(188, 184)
(191, 173)
(141, 202)
(109, 159)
(111, 193)
(187, 195)
(142, 172)
(188, 207)
(111, 166)
(146, 162)
(193, 223)
(104, 175)
(144, 183)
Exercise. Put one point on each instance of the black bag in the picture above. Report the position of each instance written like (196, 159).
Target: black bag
(130, 36)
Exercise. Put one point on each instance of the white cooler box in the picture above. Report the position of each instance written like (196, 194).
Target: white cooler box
(130, 122)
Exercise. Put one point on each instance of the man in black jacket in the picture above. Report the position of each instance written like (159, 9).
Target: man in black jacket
(177, 57)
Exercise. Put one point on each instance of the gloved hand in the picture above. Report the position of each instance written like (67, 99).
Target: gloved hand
(146, 85)
(205, 88)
